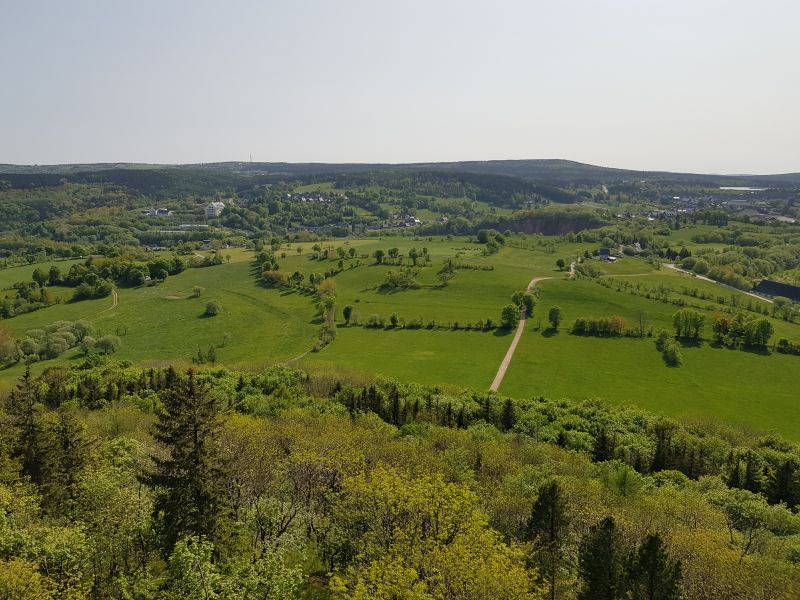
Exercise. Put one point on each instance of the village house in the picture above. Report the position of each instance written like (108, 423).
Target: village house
(214, 209)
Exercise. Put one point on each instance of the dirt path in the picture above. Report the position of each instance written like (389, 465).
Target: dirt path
(751, 294)
(501, 372)
(114, 302)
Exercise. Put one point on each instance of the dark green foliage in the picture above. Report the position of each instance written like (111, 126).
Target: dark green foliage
(601, 563)
(191, 498)
(23, 406)
(509, 416)
(548, 529)
(509, 316)
(555, 316)
(651, 573)
(64, 452)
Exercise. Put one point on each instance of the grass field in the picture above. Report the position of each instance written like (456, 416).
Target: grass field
(733, 386)
(259, 326)
(164, 323)
(454, 358)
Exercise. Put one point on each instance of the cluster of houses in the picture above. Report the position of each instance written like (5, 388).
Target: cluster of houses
(212, 210)
(157, 212)
(311, 197)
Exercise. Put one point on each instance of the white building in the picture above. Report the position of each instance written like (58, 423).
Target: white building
(214, 209)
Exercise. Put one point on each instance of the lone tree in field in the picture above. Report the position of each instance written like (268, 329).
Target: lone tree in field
(378, 254)
(212, 309)
(561, 264)
(189, 476)
(509, 316)
(347, 312)
(555, 317)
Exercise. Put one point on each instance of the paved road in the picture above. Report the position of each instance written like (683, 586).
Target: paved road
(677, 268)
(501, 372)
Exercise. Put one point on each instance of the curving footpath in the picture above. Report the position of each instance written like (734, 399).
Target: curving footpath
(114, 302)
(501, 372)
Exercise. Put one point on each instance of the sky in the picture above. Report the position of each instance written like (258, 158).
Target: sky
(682, 85)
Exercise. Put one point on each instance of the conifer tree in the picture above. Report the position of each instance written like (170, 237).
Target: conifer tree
(651, 573)
(190, 479)
(64, 454)
(784, 484)
(24, 408)
(509, 417)
(603, 447)
(548, 529)
(600, 563)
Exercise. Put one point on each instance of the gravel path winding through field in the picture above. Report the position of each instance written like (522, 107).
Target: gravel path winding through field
(114, 302)
(501, 372)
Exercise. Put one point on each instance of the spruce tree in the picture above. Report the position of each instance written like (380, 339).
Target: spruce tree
(548, 529)
(651, 573)
(604, 446)
(190, 477)
(753, 474)
(65, 452)
(509, 417)
(24, 408)
(600, 563)
(784, 484)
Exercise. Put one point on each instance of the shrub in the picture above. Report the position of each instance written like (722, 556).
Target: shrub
(672, 353)
(108, 344)
(212, 309)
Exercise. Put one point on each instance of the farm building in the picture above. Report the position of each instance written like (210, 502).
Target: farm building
(776, 288)
(605, 254)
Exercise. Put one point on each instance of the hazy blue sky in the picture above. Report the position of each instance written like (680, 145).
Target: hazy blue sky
(694, 85)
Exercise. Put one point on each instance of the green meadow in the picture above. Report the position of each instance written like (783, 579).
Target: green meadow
(259, 325)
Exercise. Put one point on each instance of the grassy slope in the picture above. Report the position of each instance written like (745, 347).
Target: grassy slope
(731, 385)
(164, 324)
(457, 358)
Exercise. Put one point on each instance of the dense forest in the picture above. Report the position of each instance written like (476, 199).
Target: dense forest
(121, 482)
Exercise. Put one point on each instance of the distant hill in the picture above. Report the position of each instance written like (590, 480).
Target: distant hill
(553, 171)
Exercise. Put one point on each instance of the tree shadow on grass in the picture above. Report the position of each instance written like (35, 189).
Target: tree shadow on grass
(549, 332)
(756, 350)
(689, 343)
(502, 332)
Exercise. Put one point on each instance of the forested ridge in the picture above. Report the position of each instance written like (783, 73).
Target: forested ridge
(123, 482)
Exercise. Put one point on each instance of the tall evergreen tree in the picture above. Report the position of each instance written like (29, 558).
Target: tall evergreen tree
(604, 446)
(64, 454)
(651, 573)
(784, 484)
(509, 417)
(753, 474)
(548, 528)
(24, 408)
(600, 563)
(190, 478)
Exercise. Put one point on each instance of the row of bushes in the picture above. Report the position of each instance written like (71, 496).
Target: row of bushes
(603, 327)
(376, 321)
